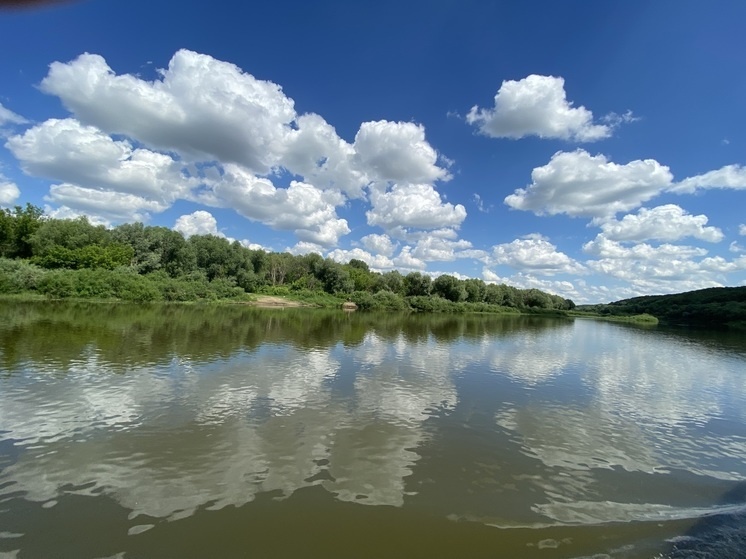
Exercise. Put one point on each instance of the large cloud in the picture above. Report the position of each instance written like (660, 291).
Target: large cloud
(379, 244)
(580, 184)
(666, 268)
(662, 223)
(405, 260)
(202, 107)
(207, 109)
(315, 152)
(103, 206)
(397, 152)
(227, 133)
(536, 106)
(435, 248)
(197, 223)
(301, 208)
(67, 151)
(535, 255)
(412, 206)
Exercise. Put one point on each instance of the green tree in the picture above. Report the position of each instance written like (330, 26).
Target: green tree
(533, 298)
(178, 257)
(277, 269)
(417, 284)
(17, 227)
(72, 234)
(214, 255)
(393, 281)
(155, 248)
(475, 290)
(334, 277)
(360, 274)
(449, 287)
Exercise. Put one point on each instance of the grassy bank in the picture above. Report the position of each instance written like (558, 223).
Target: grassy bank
(642, 319)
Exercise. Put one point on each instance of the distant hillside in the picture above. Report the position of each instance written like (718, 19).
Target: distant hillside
(717, 306)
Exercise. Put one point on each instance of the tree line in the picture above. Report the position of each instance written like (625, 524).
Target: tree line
(74, 258)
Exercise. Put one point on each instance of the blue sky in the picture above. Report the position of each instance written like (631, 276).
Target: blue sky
(590, 149)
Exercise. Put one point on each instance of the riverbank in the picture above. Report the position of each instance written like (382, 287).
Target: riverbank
(271, 302)
(384, 302)
(641, 319)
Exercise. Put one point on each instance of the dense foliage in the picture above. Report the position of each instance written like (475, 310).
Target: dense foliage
(61, 258)
(717, 306)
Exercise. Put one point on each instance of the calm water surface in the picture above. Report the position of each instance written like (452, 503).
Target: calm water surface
(131, 431)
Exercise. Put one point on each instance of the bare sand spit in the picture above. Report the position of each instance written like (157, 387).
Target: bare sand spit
(275, 302)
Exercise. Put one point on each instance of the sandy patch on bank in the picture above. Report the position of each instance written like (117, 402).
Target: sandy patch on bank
(275, 302)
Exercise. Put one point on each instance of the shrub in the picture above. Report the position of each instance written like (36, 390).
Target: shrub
(17, 276)
(93, 284)
(58, 284)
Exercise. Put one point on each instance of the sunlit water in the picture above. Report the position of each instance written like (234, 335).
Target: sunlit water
(161, 431)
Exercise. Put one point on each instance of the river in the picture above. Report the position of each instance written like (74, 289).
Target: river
(228, 431)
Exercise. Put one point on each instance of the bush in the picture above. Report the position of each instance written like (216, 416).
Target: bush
(380, 301)
(93, 284)
(431, 304)
(58, 284)
(130, 286)
(363, 300)
(18, 276)
(225, 288)
(388, 301)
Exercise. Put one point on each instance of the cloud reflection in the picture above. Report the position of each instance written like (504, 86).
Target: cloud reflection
(168, 441)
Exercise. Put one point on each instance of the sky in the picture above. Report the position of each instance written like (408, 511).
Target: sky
(594, 150)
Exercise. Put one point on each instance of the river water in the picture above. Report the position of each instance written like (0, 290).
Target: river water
(228, 431)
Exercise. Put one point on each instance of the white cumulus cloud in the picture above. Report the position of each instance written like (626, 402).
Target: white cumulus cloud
(406, 261)
(9, 192)
(537, 106)
(412, 206)
(206, 131)
(580, 184)
(197, 223)
(315, 152)
(434, 248)
(304, 247)
(202, 222)
(665, 268)
(397, 152)
(535, 255)
(103, 206)
(379, 244)
(67, 151)
(663, 223)
(728, 177)
(376, 262)
(201, 107)
(301, 207)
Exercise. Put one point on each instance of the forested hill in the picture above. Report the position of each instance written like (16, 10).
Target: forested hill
(716, 306)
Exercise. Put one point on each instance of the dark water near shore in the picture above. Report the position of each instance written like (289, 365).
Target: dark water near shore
(135, 431)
